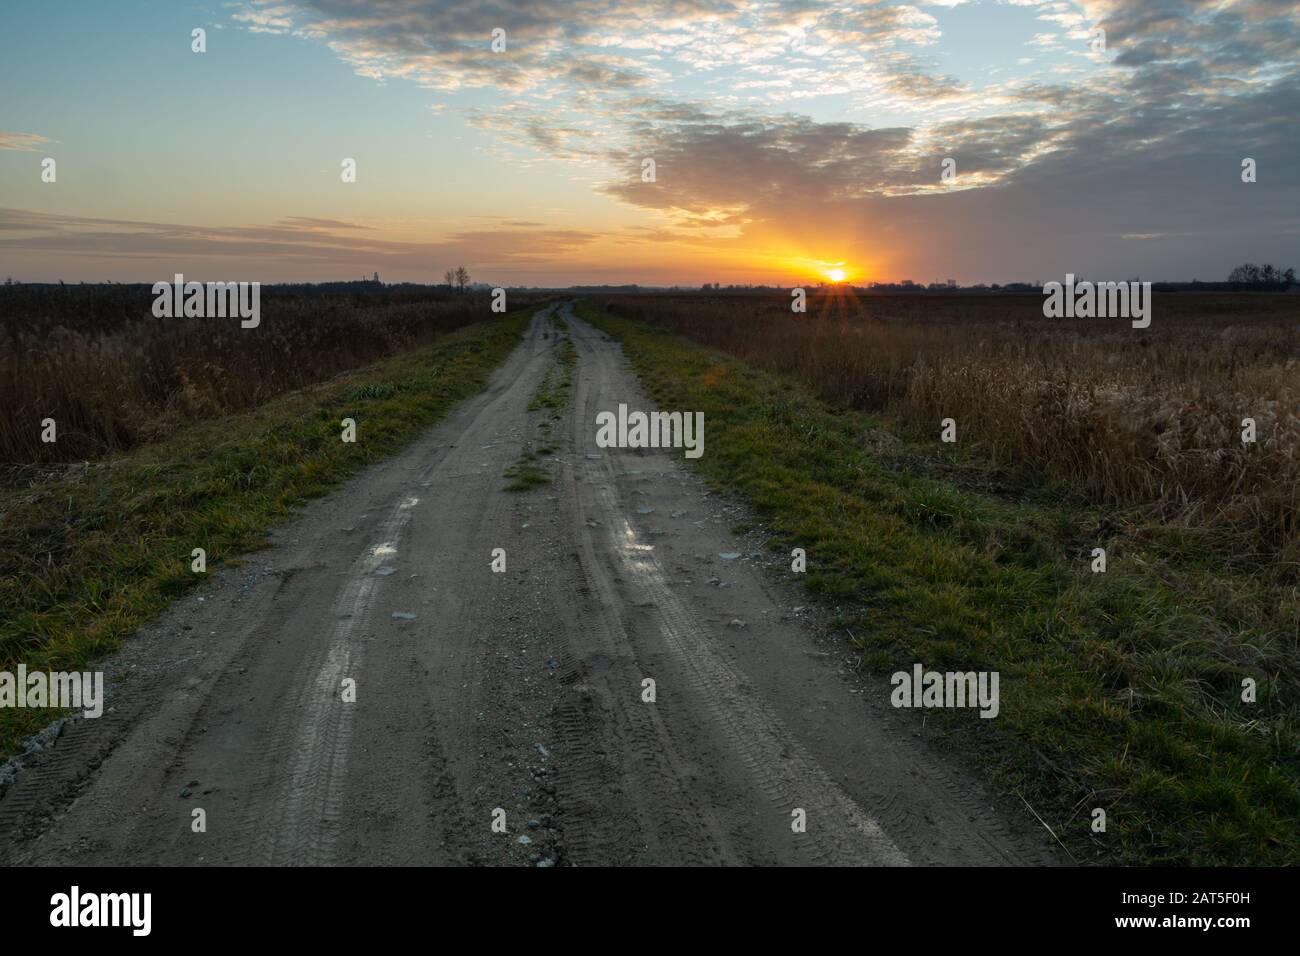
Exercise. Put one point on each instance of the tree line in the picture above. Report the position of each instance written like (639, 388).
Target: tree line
(1251, 274)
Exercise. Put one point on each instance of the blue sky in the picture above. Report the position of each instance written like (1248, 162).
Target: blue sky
(787, 136)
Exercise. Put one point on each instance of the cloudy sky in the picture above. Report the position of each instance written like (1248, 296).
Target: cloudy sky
(789, 138)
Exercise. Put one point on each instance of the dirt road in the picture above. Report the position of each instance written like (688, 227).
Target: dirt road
(520, 691)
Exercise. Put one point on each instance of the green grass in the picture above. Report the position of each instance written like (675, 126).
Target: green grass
(552, 395)
(1119, 690)
(88, 554)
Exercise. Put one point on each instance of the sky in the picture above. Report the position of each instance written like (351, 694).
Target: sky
(789, 139)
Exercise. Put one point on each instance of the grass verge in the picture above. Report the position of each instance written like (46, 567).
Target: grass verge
(552, 395)
(89, 553)
(1120, 691)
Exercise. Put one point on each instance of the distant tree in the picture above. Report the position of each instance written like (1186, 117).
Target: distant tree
(1250, 274)
(450, 278)
(462, 278)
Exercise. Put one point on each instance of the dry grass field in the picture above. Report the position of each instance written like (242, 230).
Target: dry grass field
(1150, 418)
(113, 377)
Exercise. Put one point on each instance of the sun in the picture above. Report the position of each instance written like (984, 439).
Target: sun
(836, 275)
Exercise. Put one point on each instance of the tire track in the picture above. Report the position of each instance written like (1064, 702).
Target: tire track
(838, 831)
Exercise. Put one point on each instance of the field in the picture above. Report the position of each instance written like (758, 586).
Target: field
(113, 377)
(1145, 418)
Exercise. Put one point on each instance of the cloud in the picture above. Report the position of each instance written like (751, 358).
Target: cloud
(560, 47)
(24, 142)
(710, 169)
(310, 222)
(291, 242)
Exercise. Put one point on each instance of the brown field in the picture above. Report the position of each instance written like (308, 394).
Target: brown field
(112, 376)
(1147, 419)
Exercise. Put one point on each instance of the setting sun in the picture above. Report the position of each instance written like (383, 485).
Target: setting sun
(836, 275)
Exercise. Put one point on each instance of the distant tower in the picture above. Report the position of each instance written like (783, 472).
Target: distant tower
(376, 278)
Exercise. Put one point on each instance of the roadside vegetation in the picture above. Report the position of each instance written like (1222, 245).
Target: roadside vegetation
(113, 377)
(90, 551)
(552, 396)
(1119, 690)
(1148, 419)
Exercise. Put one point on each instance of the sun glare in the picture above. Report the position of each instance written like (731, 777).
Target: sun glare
(836, 275)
